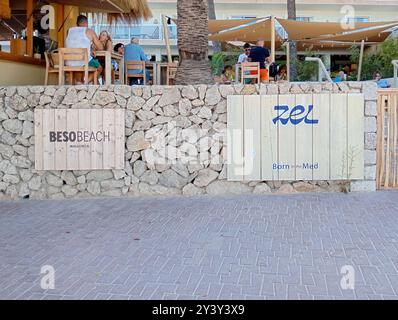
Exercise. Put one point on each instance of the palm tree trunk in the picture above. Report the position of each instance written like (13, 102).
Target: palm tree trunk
(192, 31)
(212, 16)
(291, 14)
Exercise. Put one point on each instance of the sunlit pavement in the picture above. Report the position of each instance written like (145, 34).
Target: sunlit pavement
(236, 247)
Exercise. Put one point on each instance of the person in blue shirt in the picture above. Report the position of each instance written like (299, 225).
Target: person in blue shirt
(134, 52)
(340, 77)
(381, 83)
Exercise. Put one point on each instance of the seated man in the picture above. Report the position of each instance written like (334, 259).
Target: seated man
(83, 37)
(260, 54)
(134, 52)
(245, 55)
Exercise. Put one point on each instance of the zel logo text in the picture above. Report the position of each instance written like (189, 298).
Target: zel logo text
(296, 115)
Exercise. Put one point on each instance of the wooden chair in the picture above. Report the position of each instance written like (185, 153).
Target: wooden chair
(171, 72)
(52, 64)
(247, 71)
(74, 54)
(134, 65)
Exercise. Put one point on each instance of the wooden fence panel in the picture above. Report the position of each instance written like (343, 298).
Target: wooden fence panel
(295, 137)
(269, 138)
(304, 156)
(338, 137)
(235, 150)
(286, 140)
(252, 137)
(355, 136)
(321, 137)
(79, 139)
(60, 147)
(387, 139)
(48, 147)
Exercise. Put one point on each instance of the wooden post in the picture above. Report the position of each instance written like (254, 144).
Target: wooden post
(272, 39)
(360, 60)
(166, 38)
(60, 18)
(288, 60)
(29, 29)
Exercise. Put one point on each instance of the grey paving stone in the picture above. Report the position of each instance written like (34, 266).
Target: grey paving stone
(238, 247)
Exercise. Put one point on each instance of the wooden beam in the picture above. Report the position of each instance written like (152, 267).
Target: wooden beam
(272, 39)
(29, 28)
(360, 60)
(166, 38)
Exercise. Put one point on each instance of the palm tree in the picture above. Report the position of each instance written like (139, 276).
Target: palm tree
(192, 31)
(291, 14)
(212, 15)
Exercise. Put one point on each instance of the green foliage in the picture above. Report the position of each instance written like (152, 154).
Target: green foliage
(307, 70)
(223, 58)
(378, 60)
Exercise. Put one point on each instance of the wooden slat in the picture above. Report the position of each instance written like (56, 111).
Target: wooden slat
(119, 138)
(381, 114)
(97, 148)
(379, 146)
(252, 137)
(269, 138)
(321, 137)
(235, 163)
(304, 159)
(388, 144)
(48, 147)
(60, 147)
(355, 136)
(84, 152)
(395, 138)
(72, 152)
(338, 136)
(286, 141)
(38, 114)
(109, 148)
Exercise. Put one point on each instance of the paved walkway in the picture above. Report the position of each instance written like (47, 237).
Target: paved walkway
(245, 247)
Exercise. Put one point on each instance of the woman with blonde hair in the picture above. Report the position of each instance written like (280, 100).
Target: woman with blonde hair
(106, 40)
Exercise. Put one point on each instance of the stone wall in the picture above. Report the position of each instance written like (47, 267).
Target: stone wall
(172, 113)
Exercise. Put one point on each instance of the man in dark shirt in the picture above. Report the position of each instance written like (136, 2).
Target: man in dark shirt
(260, 54)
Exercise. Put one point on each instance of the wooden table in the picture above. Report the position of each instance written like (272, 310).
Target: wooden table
(108, 65)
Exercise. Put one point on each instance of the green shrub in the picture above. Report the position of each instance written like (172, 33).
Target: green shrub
(224, 58)
(307, 70)
(379, 60)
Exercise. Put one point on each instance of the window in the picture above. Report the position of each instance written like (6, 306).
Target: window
(308, 19)
(358, 19)
(242, 17)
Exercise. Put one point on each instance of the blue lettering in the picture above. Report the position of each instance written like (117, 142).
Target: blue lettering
(277, 166)
(310, 121)
(311, 166)
(285, 109)
(296, 111)
(293, 115)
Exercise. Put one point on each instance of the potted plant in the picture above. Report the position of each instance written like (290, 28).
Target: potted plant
(37, 54)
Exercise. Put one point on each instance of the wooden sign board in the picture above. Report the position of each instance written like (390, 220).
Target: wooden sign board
(79, 139)
(295, 137)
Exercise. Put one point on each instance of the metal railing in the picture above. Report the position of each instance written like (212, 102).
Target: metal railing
(143, 31)
(321, 68)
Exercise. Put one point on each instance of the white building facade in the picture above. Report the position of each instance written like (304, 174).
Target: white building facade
(151, 37)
